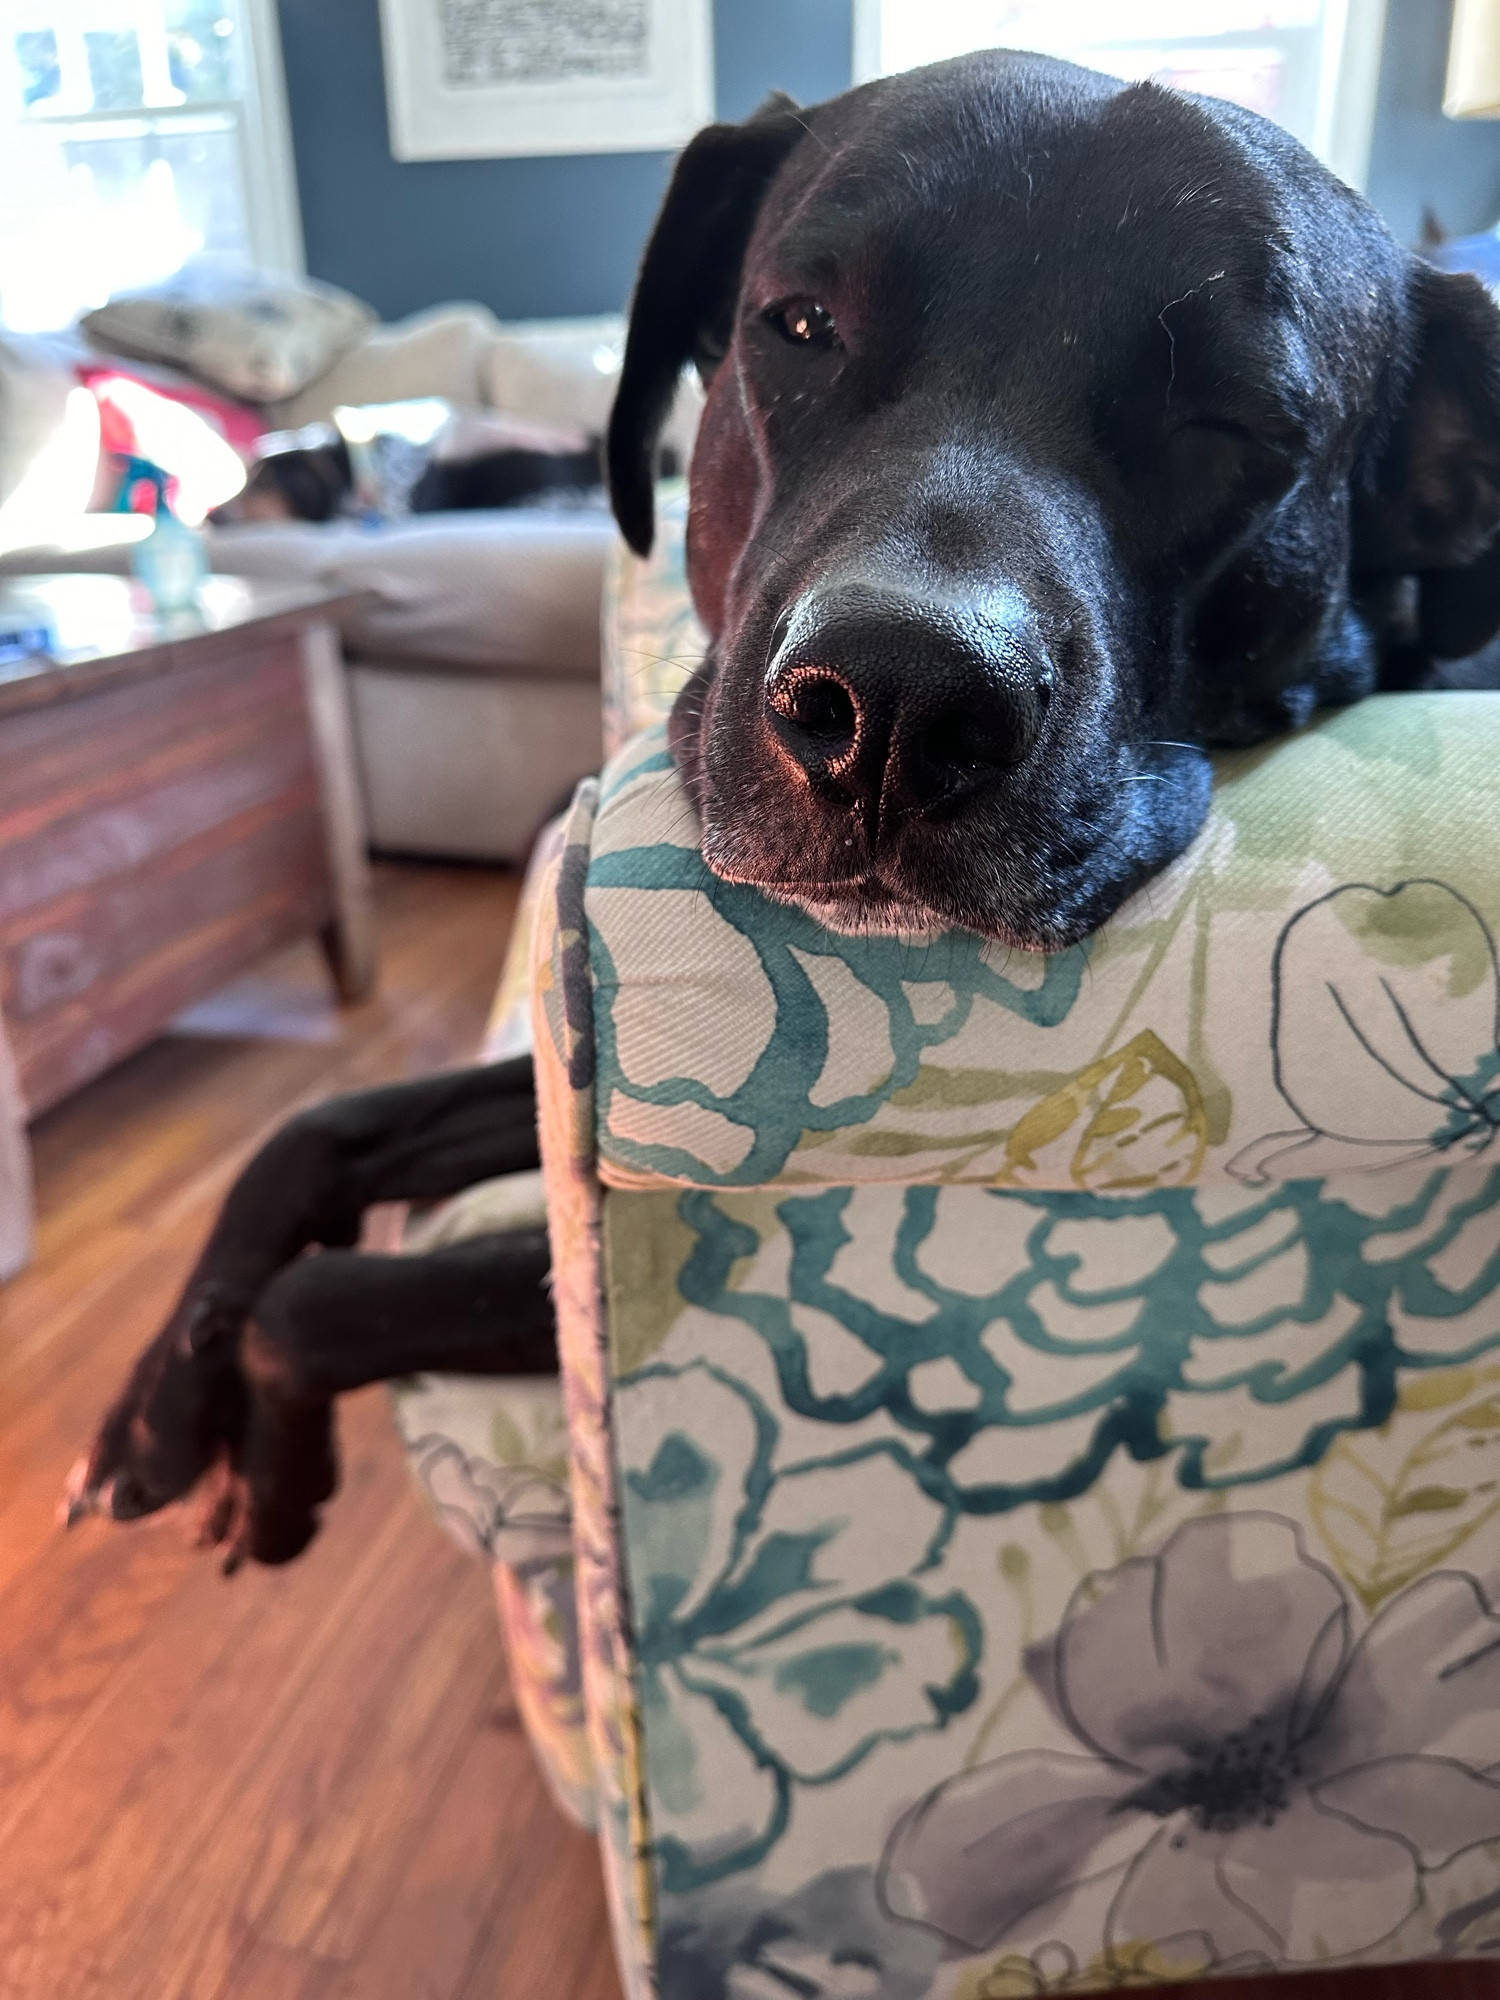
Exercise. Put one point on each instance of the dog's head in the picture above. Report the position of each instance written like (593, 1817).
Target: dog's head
(1054, 429)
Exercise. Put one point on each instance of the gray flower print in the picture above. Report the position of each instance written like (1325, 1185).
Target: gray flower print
(1259, 1784)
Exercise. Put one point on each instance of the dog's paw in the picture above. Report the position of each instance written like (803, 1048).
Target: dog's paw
(288, 1460)
(222, 1516)
(181, 1410)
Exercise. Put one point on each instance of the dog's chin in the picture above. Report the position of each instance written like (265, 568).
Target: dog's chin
(873, 908)
(866, 912)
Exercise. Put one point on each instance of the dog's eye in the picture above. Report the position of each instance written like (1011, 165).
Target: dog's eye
(805, 322)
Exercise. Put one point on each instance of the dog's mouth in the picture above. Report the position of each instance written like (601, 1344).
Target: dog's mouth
(972, 873)
(1034, 853)
(862, 906)
(873, 904)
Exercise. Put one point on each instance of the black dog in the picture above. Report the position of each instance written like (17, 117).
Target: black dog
(1055, 429)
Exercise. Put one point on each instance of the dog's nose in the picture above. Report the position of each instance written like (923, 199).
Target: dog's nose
(890, 697)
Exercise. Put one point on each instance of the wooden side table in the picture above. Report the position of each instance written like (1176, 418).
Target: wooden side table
(177, 796)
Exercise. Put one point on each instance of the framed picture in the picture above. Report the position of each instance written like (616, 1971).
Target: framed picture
(469, 79)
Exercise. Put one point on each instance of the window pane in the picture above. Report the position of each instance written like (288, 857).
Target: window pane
(203, 49)
(114, 60)
(110, 206)
(113, 167)
(199, 156)
(919, 31)
(72, 57)
(1260, 78)
(41, 74)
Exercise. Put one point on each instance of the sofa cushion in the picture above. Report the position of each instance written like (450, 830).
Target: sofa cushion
(435, 353)
(1312, 987)
(494, 592)
(567, 371)
(926, 1533)
(244, 331)
(464, 764)
(561, 370)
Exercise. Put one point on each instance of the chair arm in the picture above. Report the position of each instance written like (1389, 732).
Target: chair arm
(1311, 988)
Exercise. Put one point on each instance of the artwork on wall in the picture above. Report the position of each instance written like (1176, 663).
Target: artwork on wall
(483, 78)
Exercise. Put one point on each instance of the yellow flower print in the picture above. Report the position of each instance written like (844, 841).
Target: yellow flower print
(1128, 1121)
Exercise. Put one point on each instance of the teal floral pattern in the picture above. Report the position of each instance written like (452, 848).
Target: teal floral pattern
(1237, 1339)
(1024, 1392)
(781, 1628)
(1167, 1052)
(1036, 1421)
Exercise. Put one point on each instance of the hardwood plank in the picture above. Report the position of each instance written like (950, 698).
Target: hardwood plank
(440, 1905)
(159, 1202)
(206, 1106)
(160, 835)
(262, 1788)
(335, 1892)
(227, 921)
(270, 1972)
(244, 1752)
(1473, 1981)
(547, 1933)
(52, 763)
(17, 1192)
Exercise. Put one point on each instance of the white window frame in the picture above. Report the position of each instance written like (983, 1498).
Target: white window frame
(272, 202)
(1351, 83)
(268, 172)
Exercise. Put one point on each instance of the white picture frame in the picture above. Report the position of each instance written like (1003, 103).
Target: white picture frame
(486, 79)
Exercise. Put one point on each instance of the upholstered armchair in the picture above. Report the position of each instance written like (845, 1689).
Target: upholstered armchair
(1033, 1514)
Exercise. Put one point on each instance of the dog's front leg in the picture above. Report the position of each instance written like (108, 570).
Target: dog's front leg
(186, 1404)
(332, 1323)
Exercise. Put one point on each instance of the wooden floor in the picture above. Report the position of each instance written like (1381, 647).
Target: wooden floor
(306, 1784)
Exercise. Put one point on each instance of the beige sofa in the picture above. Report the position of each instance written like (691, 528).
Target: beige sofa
(474, 665)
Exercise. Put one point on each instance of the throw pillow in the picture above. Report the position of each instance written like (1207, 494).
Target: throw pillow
(240, 330)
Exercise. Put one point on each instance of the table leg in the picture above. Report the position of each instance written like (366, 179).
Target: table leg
(350, 938)
(17, 1203)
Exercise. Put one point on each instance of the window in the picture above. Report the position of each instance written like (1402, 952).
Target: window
(135, 134)
(1312, 65)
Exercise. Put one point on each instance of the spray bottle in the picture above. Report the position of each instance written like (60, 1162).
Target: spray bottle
(172, 560)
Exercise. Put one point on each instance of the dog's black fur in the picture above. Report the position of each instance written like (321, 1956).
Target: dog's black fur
(1115, 424)
(1056, 430)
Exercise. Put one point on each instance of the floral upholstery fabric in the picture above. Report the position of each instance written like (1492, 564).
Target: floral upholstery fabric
(490, 1456)
(1310, 989)
(1035, 1423)
(650, 638)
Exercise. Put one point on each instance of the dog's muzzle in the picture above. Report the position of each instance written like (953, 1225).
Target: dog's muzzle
(895, 705)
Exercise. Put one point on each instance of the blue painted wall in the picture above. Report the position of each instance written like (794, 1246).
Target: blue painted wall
(528, 236)
(543, 236)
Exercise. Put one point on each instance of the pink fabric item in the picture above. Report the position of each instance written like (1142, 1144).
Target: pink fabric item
(240, 423)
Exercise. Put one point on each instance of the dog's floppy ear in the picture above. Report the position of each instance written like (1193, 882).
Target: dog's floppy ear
(687, 288)
(1428, 502)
